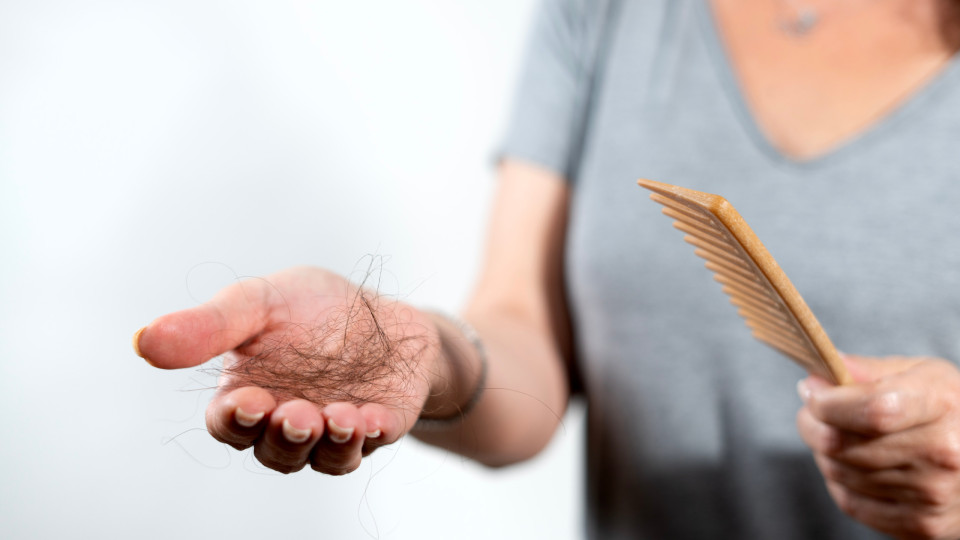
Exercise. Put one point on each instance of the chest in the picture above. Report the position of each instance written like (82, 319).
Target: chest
(810, 91)
(866, 231)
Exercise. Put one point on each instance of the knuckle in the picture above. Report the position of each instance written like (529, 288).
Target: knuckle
(945, 452)
(883, 411)
(938, 493)
(950, 402)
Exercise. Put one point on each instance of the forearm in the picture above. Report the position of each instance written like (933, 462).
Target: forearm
(518, 309)
(522, 399)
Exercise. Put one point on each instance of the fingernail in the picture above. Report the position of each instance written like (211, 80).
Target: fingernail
(246, 419)
(339, 434)
(804, 390)
(373, 434)
(293, 434)
(136, 342)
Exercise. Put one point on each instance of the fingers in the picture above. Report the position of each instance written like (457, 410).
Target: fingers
(893, 517)
(889, 445)
(294, 429)
(192, 336)
(922, 487)
(340, 451)
(852, 448)
(884, 484)
(889, 404)
(238, 418)
(293, 434)
(868, 408)
(287, 437)
(903, 483)
(383, 426)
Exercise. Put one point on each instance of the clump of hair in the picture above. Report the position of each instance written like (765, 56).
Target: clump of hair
(357, 353)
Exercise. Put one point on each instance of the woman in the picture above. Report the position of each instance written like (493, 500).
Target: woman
(830, 125)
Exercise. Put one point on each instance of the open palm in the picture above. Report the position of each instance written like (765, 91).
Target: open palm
(316, 370)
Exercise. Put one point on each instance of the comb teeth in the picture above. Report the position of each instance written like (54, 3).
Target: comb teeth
(694, 214)
(765, 298)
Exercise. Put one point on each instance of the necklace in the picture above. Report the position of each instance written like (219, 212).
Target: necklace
(800, 21)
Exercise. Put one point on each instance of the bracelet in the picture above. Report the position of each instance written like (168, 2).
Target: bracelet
(470, 333)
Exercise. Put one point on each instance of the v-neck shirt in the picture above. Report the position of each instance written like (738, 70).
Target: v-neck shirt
(691, 430)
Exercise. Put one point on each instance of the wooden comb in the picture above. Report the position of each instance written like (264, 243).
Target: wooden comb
(771, 306)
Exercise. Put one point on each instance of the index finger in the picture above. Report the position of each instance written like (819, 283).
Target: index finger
(192, 336)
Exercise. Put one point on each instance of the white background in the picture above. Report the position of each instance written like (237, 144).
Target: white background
(150, 153)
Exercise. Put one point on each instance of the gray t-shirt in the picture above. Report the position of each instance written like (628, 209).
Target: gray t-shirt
(691, 430)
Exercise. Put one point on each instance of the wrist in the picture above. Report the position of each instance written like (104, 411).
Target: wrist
(459, 372)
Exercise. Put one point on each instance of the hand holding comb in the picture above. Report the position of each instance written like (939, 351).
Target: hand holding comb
(771, 306)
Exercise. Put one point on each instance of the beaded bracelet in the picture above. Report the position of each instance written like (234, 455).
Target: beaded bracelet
(474, 338)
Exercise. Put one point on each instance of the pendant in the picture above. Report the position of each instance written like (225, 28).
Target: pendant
(802, 24)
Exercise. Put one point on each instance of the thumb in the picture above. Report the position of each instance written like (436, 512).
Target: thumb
(872, 368)
(192, 336)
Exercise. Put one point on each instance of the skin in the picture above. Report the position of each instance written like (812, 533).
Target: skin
(516, 307)
(809, 94)
(888, 446)
(288, 435)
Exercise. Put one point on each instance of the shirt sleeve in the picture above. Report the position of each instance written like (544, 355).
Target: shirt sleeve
(550, 102)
